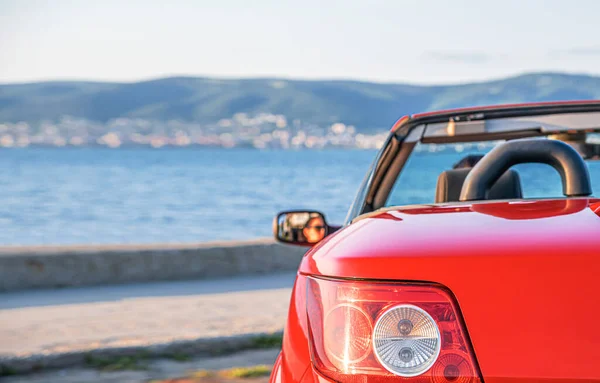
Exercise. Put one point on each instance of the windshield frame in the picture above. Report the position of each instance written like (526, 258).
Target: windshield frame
(409, 131)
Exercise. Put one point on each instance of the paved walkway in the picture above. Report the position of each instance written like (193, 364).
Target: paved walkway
(81, 319)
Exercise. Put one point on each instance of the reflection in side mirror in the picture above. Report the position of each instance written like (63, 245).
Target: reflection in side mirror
(300, 227)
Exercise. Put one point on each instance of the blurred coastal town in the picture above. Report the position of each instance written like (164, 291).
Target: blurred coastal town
(247, 113)
(261, 131)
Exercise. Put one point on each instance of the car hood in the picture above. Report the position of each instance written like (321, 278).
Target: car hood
(391, 236)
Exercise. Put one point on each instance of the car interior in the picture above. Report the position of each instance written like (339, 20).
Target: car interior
(450, 183)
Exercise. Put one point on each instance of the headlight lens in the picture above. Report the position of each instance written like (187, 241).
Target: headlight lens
(406, 340)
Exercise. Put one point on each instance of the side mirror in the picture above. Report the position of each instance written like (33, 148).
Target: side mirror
(304, 228)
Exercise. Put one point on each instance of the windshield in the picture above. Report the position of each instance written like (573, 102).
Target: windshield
(417, 183)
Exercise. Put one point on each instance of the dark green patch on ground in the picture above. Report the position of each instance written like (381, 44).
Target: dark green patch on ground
(7, 371)
(117, 363)
(268, 341)
(247, 372)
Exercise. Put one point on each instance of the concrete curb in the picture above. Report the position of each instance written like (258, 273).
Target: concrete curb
(65, 266)
(201, 347)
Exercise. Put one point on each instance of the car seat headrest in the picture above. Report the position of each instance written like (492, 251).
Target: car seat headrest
(450, 182)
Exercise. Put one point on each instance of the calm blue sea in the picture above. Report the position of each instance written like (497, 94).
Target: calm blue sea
(94, 195)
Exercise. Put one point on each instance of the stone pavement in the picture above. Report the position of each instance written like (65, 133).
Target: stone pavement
(46, 323)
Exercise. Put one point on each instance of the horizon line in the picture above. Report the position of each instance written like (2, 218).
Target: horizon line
(295, 79)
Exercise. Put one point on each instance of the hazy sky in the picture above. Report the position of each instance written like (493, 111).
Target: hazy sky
(401, 41)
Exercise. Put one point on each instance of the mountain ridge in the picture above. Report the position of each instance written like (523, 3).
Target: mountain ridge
(206, 100)
(300, 79)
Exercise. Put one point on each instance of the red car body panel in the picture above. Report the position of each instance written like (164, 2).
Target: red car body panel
(533, 313)
(524, 275)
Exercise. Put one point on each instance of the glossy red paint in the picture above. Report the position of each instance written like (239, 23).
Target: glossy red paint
(525, 281)
(295, 356)
(399, 123)
(523, 274)
(596, 208)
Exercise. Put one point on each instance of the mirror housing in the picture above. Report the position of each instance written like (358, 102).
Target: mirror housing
(301, 227)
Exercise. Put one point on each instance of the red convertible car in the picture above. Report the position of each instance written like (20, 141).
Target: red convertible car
(489, 271)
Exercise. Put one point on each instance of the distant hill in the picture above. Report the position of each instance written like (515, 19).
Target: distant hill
(206, 100)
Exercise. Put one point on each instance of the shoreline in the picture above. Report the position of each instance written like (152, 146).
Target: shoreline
(189, 147)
